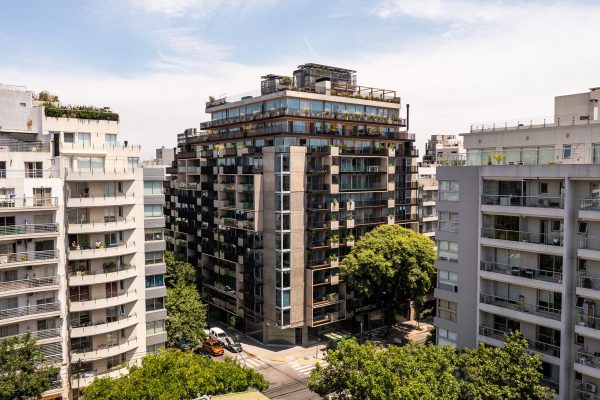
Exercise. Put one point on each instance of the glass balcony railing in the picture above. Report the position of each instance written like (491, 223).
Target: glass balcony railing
(524, 272)
(519, 305)
(522, 201)
(29, 310)
(588, 359)
(588, 321)
(553, 238)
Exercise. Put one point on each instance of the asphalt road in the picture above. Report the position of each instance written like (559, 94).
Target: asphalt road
(288, 379)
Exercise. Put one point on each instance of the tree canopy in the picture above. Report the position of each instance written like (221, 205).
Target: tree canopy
(23, 369)
(178, 271)
(392, 262)
(175, 375)
(186, 314)
(417, 372)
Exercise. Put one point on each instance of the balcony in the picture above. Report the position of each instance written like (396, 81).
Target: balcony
(29, 285)
(104, 350)
(588, 359)
(46, 334)
(523, 272)
(544, 347)
(520, 306)
(110, 224)
(522, 240)
(14, 313)
(112, 250)
(522, 201)
(12, 204)
(588, 287)
(28, 258)
(85, 303)
(102, 174)
(100, 327)
(81, 278)
(589, 247)
(10, 232)
(84, 378)
(588, 325)
(101, 200)
(582, 394)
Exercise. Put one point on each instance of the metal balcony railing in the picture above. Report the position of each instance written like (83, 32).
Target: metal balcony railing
(523, 236)
(546, 345)
(25, 229)
(32, 283)
(522, 201)
(28, 256)
(23, 202)
(29, 310)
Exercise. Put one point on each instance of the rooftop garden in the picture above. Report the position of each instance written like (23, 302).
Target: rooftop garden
(80, 112)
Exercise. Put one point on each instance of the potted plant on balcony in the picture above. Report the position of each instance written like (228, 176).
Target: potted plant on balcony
(306, 111)
(333, 260)
(350, 240)
(331, 296)
(327, 112)
(391, 219)
(498, 158)
(334, 241)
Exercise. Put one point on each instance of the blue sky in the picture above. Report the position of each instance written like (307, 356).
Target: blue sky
(156, 61)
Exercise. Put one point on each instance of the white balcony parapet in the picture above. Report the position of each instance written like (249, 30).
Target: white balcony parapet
(108, 251)
(8, 203)
(104, 350)
(28, 256)
(28, 229)
(21, 284)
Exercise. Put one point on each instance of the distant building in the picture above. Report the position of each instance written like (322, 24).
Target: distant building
(440, 149)
(165, 156)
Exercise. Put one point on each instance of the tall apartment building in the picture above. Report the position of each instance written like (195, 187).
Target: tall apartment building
(521, 247)
(427, 196)
(441, 148)
(276, 191)
(72, 258)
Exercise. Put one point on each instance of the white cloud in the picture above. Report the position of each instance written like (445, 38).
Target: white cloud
(196, 9)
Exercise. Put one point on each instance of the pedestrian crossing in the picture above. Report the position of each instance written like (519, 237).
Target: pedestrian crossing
(252, 362)
(306, 368)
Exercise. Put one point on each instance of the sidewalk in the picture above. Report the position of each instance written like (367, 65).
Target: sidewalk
(282, 354)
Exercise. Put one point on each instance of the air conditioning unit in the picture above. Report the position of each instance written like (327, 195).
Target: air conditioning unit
(487, 265)
(590, 387)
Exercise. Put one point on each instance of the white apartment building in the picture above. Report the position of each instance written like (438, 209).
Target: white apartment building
(72, 261)
(521, 247)
(439, 149)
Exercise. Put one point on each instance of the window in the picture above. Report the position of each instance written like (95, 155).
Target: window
(154, 257)
(2, 169)
(84, 138)
(9, 330)
(448, 190)
(543, 187)
(154, 327)
(155, 281)
(447, 280)
(153, 187)
(567, 150)
(556, 225)
(88, 164)
(153, 210)
(155, 304)
(447, 251)
(446, 310)
(153, 234)
(446, 337)
(448, 221)
(34, 170)
(132, 162)
(110, 139)
(69, 137)
(582, 228)
(155, 348)
(116, 362)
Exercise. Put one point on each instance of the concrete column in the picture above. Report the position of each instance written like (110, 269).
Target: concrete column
(568, 294)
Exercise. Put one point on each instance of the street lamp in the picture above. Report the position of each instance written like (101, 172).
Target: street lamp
(361, 330)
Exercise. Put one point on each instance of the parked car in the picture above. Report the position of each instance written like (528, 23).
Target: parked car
(182, 343)
(213, 347)
(232, 345)
(217, 334)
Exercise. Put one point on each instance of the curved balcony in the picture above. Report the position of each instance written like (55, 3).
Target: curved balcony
(12, 204)
(110, 251)
(22, 313)
(101, 200)
(103, 326)
(29, 285)
(84, 303)
(28, 258)
(42, 335)
(105, 226)
(80, 278)
(86, 377)
(13, 232)
(104, 350)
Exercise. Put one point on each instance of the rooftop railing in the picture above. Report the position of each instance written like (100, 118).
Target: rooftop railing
(529, 123)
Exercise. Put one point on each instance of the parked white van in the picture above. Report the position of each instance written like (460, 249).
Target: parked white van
(218, 334)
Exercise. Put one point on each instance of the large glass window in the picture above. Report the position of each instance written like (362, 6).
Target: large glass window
(84, 139)
(154, 257)
(447, 251)
(154, 327)
(153, 187)
(446, 309)
(155, 281)
(448, 190)
(155, 304)
(448, 221)
(446, 338)
(153, 210)
(447, 280)
(153, 234)
(110, 139)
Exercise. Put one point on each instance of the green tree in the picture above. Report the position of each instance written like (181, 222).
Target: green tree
(178, 271)
(174, 375)
(392, 262)
(186, 314)
(23, 369)
(501, 373)
(416, 372)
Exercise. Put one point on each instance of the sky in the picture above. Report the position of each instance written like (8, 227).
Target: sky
(155, 62)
